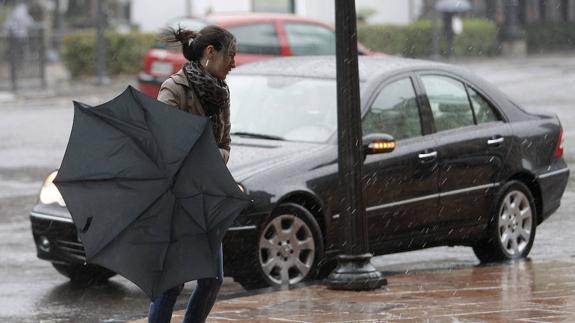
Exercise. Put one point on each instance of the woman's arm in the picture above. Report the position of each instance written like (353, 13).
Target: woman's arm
(226, 139)
(170, 94)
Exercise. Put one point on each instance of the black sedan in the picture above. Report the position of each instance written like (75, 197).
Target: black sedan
(469, 167)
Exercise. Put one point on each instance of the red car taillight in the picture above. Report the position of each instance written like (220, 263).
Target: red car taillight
(560, 143)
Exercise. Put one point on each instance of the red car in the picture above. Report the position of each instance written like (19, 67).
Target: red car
(259, 36)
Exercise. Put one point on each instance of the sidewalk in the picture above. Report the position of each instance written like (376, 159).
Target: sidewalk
(60, 84)
(530, 291)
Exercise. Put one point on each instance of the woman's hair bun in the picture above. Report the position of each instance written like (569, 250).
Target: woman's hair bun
(193, 42)
(171, 35)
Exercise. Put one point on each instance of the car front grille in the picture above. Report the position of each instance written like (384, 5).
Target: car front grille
(72, 249)
(64, 244)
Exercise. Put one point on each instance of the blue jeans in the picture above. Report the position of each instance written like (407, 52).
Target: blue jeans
(199, 305)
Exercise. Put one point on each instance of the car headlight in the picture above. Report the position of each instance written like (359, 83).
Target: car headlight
(49, 192)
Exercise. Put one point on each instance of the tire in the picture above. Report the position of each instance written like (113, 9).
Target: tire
(512, 228)
(277, 259)
(84, 274)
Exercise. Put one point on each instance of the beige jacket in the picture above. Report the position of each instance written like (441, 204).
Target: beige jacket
(176, 91)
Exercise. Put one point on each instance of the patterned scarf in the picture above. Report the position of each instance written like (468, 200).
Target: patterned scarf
(213, 93)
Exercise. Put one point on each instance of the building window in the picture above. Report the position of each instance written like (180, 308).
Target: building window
(282, 6)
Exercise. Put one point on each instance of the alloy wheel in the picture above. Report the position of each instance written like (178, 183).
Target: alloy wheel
(286, 250)
(515, 223)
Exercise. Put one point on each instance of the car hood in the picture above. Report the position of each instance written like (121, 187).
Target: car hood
(254, 156)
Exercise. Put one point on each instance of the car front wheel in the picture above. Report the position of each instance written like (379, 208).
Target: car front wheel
(512, 230)
(290, 247)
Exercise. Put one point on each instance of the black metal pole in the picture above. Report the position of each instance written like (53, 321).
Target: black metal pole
(292, 6)
(13, 53)
(511, 31)
(57, 26)
(42, 55)
(101, 74)
(448, 32)
(435, 33)
(354, 270)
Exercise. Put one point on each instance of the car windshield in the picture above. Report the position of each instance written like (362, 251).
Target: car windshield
(283, 108)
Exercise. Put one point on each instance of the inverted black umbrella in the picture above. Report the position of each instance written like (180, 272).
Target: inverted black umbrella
(148, 190)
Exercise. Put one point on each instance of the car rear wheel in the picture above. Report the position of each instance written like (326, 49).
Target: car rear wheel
(512, 230)
(290, 247)
(84, 274)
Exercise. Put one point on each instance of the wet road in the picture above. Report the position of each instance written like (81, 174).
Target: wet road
(32, 140)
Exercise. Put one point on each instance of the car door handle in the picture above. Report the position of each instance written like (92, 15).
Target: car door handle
(432, 154)
(495, 141)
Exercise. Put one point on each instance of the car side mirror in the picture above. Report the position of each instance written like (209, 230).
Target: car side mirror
(378, 143)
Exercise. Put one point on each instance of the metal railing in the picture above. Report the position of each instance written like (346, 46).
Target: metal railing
(23, 61)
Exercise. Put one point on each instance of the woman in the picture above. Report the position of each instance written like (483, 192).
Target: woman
(199, 88)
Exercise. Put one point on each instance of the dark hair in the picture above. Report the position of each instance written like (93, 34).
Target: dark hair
(209, 35)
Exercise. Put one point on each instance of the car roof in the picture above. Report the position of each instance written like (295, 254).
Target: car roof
(325, 66)
(372, 69)
(246, 17)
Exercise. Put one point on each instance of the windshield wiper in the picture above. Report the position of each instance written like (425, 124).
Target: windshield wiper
(256, 135)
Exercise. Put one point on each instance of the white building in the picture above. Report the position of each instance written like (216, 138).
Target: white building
(151, 15)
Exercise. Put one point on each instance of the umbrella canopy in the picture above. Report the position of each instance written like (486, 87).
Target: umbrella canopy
(148, 190)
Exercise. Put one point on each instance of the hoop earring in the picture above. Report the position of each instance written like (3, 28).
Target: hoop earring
(207, 63)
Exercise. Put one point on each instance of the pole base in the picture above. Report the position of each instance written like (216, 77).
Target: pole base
(355, 272)
(514, 48)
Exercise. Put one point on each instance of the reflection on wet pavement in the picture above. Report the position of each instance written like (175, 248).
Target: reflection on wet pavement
(526, 291)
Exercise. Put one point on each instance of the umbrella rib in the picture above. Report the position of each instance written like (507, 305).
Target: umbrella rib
(136, 98)
(129, 224)
(228, 197)
(207, 231)
(165, 253)
(188, 213)
(177, 173)
(112, 123)
(91, 110)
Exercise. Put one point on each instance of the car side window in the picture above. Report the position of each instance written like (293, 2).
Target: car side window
(308, 39)
(484, 111)
(448, 101)
(256, 39)
(395, 111)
